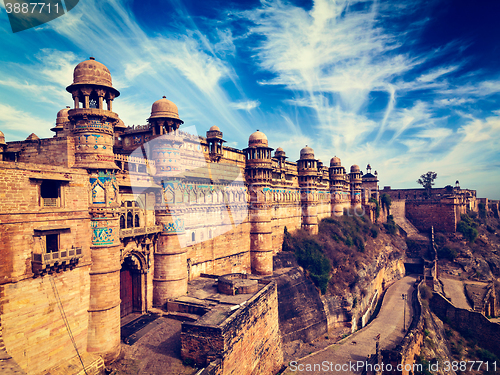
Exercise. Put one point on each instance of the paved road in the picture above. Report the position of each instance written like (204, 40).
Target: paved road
(454, 290)
(357, 347)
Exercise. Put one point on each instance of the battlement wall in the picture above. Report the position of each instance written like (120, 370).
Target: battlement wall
(54, 151)
(468, 322)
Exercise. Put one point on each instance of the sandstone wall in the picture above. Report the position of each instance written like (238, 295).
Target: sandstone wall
(468, 322)
(284, 214)
(441, 215)
(34, 332)
(301, 312)
(248, 341)
(22, 212)
(53, 151)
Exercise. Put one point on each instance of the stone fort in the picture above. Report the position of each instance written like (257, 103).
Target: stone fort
(107, 220)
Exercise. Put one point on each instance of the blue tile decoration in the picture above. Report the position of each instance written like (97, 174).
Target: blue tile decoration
(175, 227)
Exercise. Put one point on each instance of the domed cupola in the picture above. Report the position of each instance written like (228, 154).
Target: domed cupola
(335, 162)
(92, 125)
(62, 119)
(164, 117)
(307, 163)
(215, 141)
(257, 139)
(92, 85)
(258, 158)
(307, 153)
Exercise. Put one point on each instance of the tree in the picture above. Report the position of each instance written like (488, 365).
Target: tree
(427, 180)
(386, 201)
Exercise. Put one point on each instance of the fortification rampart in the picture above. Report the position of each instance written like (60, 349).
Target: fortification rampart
(468, 322)
(246, 342)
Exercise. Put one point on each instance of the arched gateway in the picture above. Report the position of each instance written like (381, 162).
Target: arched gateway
(133, 284)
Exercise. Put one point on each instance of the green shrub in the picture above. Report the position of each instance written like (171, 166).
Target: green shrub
(374, 232)
(447, 253)
(467, 227)
(358, 241)
(348, 241)
(310, 257)
(391, 226)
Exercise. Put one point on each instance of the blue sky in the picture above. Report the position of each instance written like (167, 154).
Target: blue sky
(407, 86)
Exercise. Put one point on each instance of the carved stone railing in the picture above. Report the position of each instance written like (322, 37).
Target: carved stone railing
(133, 159)
(131, 232)
(55, 261)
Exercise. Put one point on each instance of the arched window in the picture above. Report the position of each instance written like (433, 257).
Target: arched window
(93, 100)
(137, 221)
(122, 222)
(130, 222)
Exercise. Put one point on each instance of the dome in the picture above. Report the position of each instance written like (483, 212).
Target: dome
(307, 153)
(91, 72)
(355, 168)
(62, 117)
(279, 149)
(214, 129)
(257, 139)
(120, 124)
(164, 108)
(2, 138)
(335, 162)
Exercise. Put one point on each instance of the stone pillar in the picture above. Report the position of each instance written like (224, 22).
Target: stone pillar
(170, 258)
(104, 308)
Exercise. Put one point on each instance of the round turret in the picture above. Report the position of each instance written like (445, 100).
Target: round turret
(214, 128)
(257, 139)
(355, 169)
(307, 153)
(335, 162)
(164, 108)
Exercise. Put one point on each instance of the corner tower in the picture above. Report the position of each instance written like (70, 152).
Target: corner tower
(338, 186)
(170, 258)
(92, 127)
(355, 181)
(258, 173)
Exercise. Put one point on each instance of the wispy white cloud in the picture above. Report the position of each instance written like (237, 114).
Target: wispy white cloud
(14, 122)
(246, 105)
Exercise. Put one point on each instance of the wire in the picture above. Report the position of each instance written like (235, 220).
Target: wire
(65, 320)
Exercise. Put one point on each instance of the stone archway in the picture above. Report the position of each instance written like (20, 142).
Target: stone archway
(132, 286)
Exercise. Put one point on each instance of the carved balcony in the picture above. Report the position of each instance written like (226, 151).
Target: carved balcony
(55, 261)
